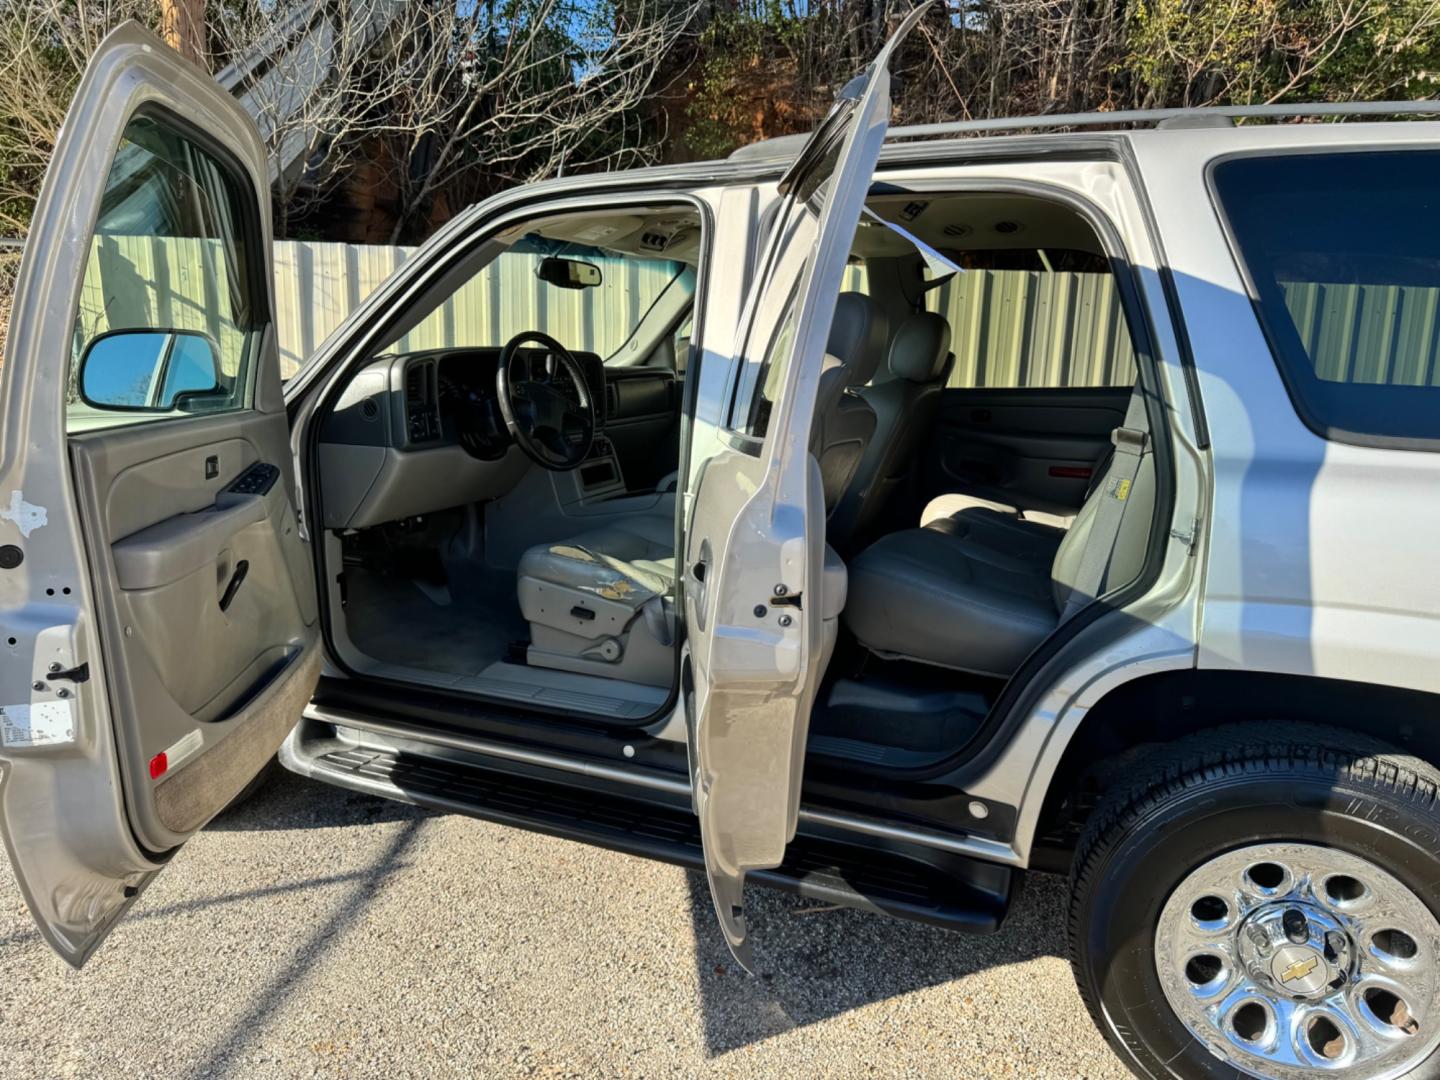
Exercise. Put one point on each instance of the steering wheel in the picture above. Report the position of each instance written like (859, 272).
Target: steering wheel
(554, 428)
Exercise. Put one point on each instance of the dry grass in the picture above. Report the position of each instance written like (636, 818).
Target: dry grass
(9, 269)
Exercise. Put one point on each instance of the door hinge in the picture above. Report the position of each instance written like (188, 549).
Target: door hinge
(1188, 536)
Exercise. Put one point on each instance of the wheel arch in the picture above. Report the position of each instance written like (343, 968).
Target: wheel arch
(1156, 709)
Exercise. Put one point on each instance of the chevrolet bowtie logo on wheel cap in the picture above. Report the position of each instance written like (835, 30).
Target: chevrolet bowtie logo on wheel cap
(1299, 969)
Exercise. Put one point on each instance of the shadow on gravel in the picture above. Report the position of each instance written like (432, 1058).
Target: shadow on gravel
(287, 801)
(229, 1048)
(168, 910)
(814, 962)
(284, 801)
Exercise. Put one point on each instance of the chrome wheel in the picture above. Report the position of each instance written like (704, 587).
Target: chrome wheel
(1295, 960)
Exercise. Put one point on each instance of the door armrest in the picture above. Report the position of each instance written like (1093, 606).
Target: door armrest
(178, 546)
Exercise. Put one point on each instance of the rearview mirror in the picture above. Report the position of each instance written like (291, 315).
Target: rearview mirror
(568, 273)
(148, 370)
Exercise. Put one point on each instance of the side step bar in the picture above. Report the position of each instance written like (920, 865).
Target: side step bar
(939, 888)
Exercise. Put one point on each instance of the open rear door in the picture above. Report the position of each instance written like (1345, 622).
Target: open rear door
(755, 574)
(156, 598)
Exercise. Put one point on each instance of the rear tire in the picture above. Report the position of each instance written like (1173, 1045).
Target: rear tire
(1316, 796)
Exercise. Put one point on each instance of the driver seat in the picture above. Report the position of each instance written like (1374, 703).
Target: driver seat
(602, 602)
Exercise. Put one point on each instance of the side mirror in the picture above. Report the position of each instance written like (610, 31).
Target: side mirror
(568, 273)
(148, 370)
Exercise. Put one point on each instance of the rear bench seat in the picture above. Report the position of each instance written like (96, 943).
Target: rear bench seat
(978, 590)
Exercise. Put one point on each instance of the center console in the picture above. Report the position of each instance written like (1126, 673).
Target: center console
(599, 475)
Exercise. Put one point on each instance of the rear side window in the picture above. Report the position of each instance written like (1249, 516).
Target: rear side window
(1035, 318)
(1342, 252)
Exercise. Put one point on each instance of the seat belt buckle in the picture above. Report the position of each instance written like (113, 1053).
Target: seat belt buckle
(1129, 440)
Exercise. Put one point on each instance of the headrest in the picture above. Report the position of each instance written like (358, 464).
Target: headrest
(920, 347)
(857, 336)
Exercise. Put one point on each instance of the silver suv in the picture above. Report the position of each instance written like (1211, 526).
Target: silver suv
(878, 516)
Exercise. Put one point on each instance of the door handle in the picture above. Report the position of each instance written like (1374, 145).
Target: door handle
(236, 580)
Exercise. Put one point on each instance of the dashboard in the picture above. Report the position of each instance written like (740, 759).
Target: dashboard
(420, 432)
(449, 397)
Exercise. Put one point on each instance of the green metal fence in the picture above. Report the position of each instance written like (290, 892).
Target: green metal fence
(180, 283)
(1013, 328)
(1386, 334)
(1010, 328)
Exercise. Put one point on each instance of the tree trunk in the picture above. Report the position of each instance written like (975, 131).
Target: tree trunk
(182, 25)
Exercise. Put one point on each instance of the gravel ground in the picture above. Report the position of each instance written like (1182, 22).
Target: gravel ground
(315, 932)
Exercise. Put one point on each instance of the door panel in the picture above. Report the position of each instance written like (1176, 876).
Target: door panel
(169, 541)
(1035, 449)
(754, 547)
(157, 594)
(147, 489)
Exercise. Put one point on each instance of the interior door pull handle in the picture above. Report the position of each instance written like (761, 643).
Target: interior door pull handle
(236, 580)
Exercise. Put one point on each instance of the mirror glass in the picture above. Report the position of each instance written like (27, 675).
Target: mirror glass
(151, 370)
(568, 273)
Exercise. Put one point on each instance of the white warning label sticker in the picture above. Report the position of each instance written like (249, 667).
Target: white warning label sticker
(43, 723)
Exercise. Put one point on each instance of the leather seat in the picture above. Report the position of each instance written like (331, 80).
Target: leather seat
(920, 594)
(632, 558)
(956, 504)
(952, 503)
(979, 590)
(905, 407)
(844, 421)
(1025, 542)
(601, 602)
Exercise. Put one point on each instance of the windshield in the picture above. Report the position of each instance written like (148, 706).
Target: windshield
(508, 295)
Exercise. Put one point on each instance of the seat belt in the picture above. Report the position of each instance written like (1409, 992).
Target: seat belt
(1131, 443)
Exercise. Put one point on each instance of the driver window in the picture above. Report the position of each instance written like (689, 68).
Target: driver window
(770, 337)
(171, 309)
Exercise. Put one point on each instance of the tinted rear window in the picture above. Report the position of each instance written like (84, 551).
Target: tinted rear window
(1343, 255)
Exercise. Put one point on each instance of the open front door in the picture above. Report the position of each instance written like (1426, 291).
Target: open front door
(760, 603)
(156, 598)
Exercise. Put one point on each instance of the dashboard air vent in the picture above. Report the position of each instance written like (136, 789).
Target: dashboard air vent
(422, 418)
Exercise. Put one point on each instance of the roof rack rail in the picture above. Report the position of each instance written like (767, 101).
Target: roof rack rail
(1201, 116)
(1196, 117)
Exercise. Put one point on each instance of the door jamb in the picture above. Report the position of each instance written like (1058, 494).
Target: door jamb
(328, 383)
(1024, 687)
